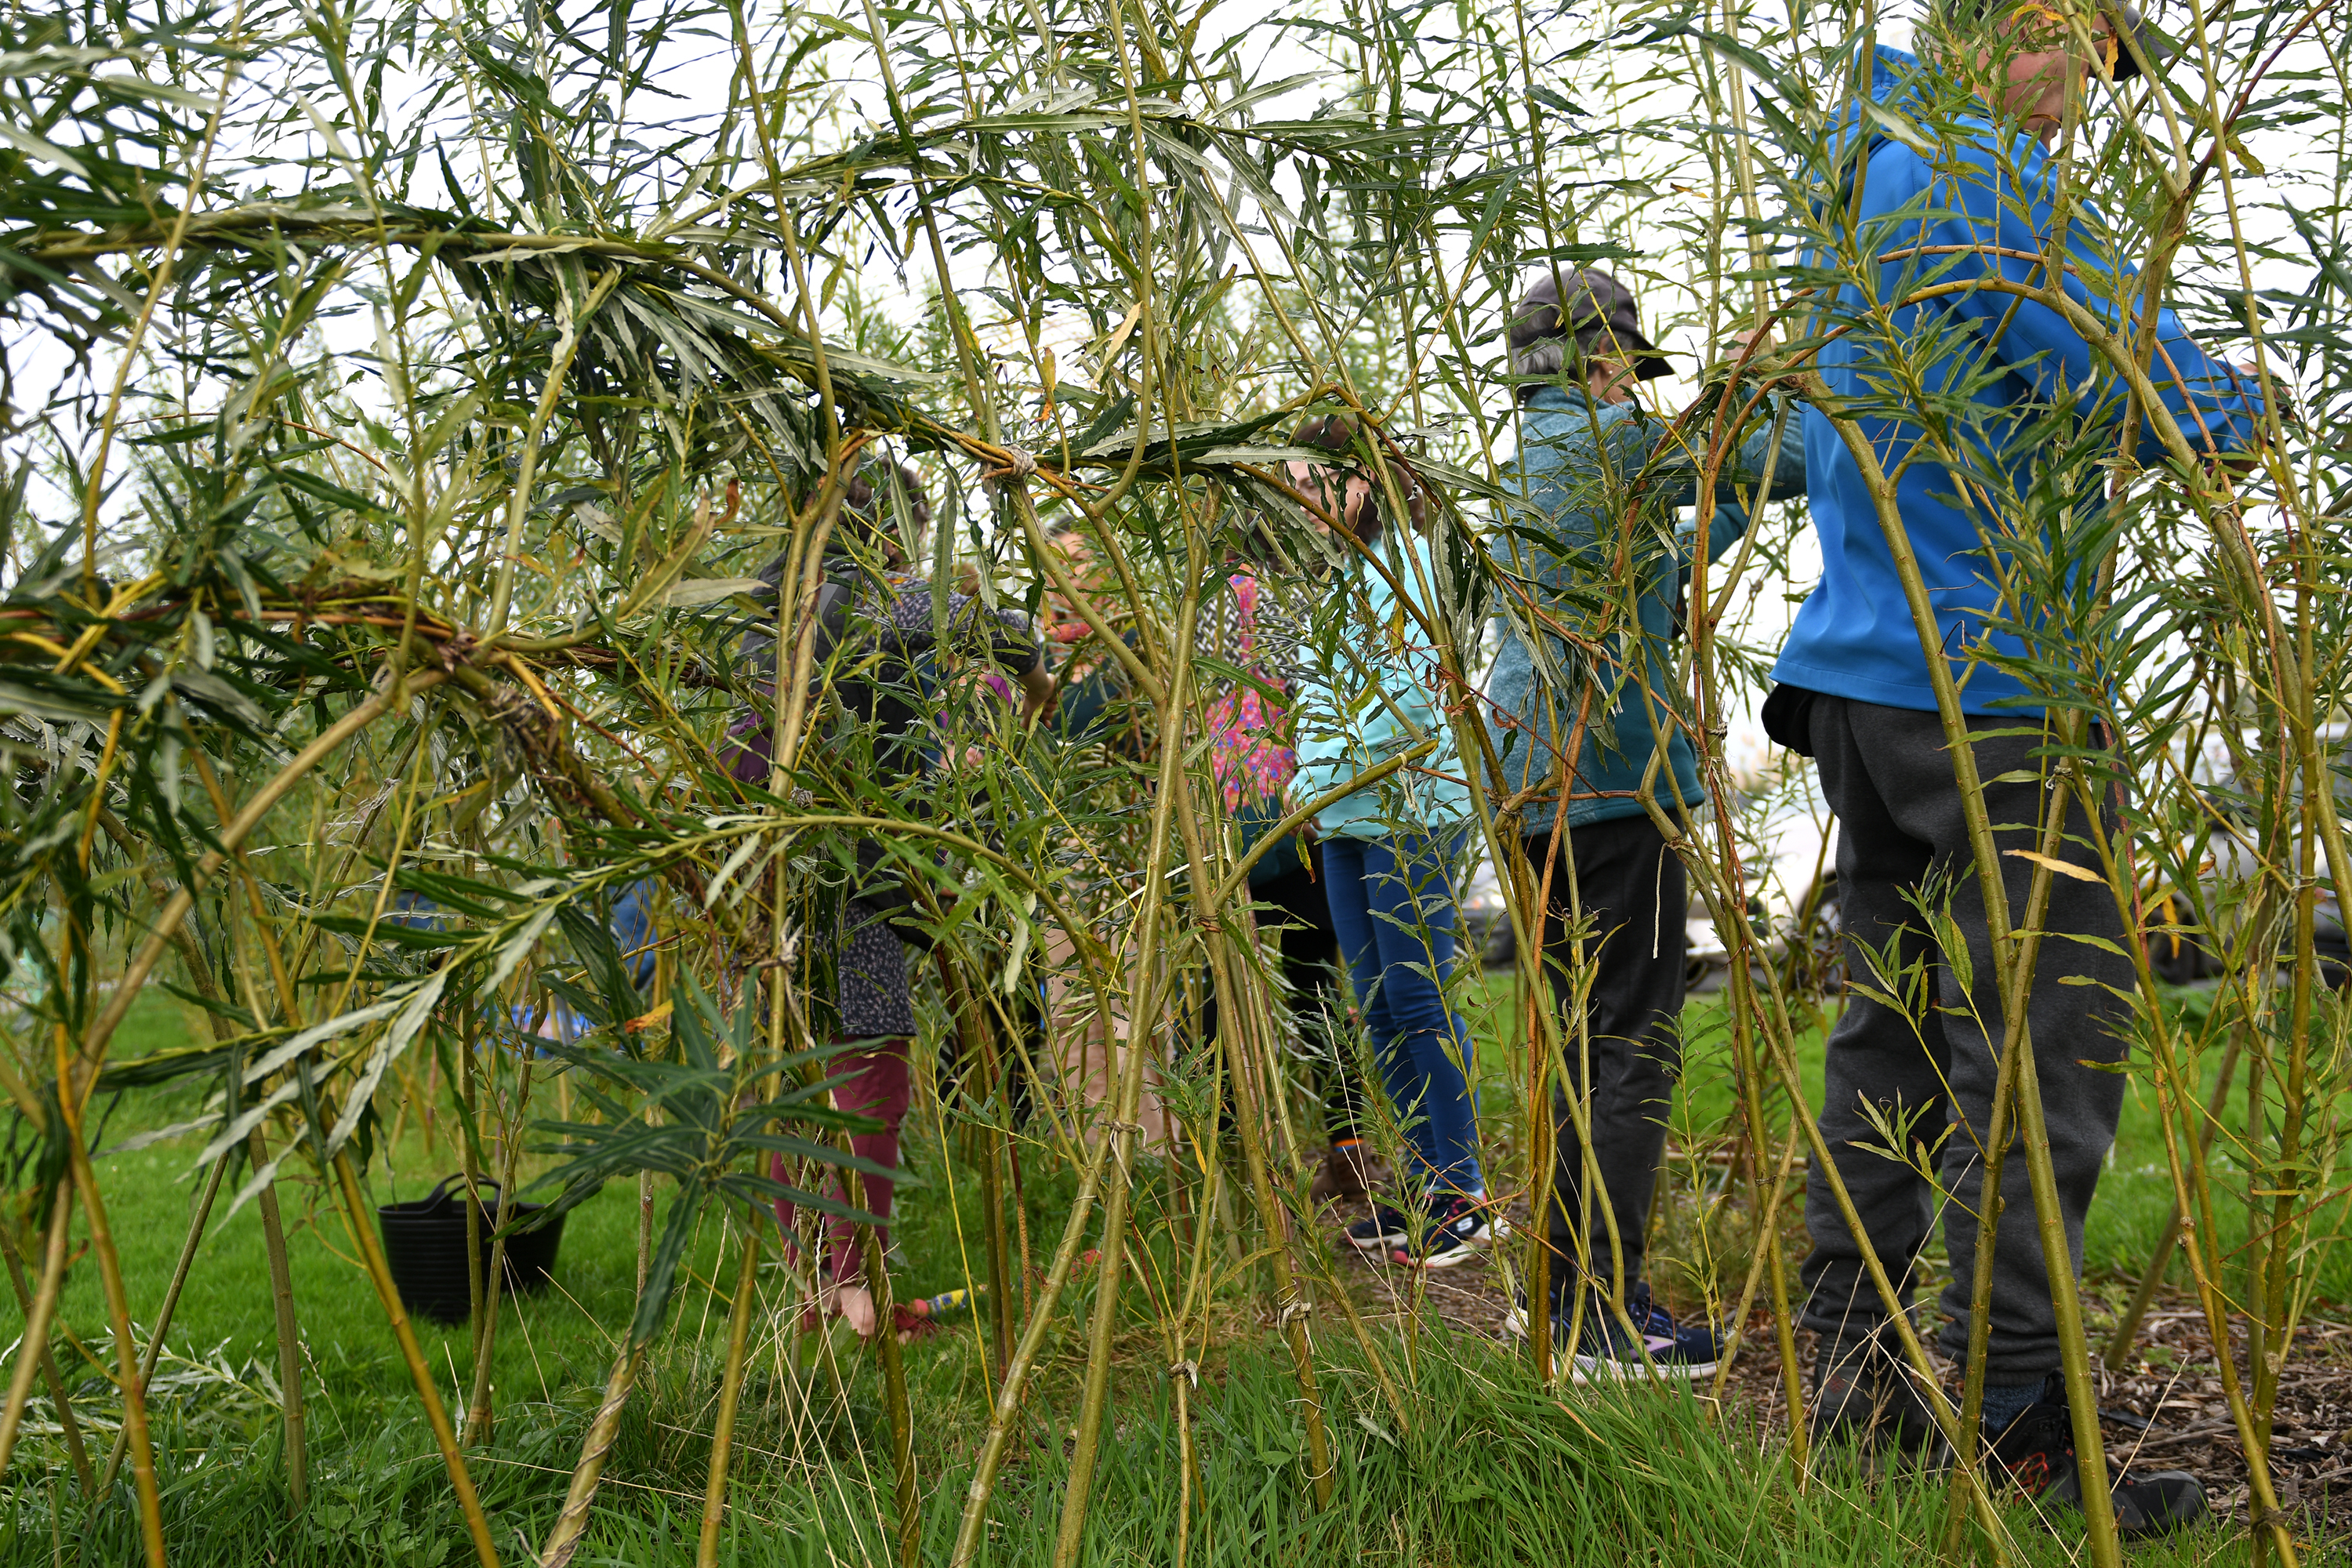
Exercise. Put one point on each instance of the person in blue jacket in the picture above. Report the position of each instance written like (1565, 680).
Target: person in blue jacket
(1370, 694)
(1590, 564)
(1992, 410)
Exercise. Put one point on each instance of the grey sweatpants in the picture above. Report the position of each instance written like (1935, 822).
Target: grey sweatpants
(1902, 840)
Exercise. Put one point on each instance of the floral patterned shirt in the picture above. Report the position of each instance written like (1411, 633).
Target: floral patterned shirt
(1249, 749)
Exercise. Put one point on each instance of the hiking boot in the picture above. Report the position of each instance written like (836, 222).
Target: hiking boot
(1385, 1229)
(1458, 1228)
(1346, 1175)
(1864, 1397)
(2036, 1451)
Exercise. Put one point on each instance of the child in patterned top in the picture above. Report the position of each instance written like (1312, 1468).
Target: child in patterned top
(1245, 628)
(888, 638)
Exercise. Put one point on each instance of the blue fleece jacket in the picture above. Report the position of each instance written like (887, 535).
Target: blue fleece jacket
(1977, 206)
(1582, 470)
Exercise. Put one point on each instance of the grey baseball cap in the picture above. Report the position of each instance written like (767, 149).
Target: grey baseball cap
(2137, 48)
(1601, 316)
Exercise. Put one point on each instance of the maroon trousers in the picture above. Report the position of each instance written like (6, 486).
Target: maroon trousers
(879, 1087)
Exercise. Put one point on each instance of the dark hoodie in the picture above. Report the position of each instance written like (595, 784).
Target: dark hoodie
(2033, 387)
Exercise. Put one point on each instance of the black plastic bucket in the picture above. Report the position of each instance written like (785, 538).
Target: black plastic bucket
(425, 1245)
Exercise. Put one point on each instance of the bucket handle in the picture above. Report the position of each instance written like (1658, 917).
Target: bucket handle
(440, 1193)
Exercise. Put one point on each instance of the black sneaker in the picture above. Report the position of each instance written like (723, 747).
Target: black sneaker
(1387, 1227)
(1864, 1397)
(1659, 1344)
(2037, 1452)
(1698, 1346)
(1676, 1351)
(1459, 1227)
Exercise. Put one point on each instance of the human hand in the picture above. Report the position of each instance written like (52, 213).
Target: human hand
(2276, 391)
(2245, 459)
(1750, 342)
(1039, 693)
(854, 1304)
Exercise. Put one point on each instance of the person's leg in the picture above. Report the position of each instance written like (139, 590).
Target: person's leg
(1069, 1030)
(1089, 1057)
(1310, 962)
(1027, 1043)
(2076, 1020)
(1347, 868)
(1410, 895)
(878, 1085)
(1633, 891)
(1564, 1225)
(1881, 1058)
(1307, 949)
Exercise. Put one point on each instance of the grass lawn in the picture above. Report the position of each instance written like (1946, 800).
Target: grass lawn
(1480, 1464)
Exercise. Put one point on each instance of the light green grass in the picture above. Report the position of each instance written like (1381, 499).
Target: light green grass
(1492, 1470)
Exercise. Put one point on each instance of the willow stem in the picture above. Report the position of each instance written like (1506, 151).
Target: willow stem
(126, 1350)
(436, 1415)
(33, 1346)
(731, 1394)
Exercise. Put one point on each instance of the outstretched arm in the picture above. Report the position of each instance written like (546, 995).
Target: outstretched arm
(2000, 208)
(1762, 470)
(1757, 469)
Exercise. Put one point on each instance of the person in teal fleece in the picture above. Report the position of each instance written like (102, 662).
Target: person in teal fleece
(1999, 417)
(1591, 526)
(1371, 694)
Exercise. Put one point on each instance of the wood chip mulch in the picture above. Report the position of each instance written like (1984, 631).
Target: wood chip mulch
(2167, 1412)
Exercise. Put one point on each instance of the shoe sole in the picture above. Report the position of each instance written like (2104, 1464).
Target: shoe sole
(1605, 1369)
(1468, 1248)
(1375, 1244)
(1596, 1369)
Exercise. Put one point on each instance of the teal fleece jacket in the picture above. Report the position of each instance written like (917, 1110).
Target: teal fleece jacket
(1371, 691)
(1581, 470)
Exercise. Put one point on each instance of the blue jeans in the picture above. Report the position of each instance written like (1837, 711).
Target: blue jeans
(1393, 907)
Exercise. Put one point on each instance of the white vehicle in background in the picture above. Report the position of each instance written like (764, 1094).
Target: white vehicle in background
(1787, 842)
(2223, 876)
(1484, 920)
(1787, 847)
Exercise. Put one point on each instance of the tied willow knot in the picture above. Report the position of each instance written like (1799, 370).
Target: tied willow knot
(457, 648)
(1019, 464)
